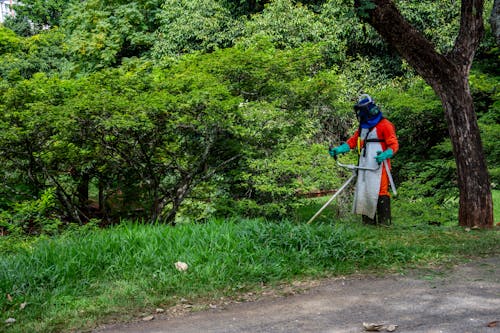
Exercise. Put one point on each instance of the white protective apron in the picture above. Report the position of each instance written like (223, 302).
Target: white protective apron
(368, 182)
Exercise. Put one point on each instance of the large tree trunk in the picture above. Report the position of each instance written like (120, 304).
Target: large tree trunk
(476, 205)
(495, 20)
(448, 76)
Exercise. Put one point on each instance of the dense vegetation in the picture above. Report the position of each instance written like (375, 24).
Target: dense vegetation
(115, 110)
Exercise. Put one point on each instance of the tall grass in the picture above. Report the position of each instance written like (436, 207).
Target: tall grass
(82, 278)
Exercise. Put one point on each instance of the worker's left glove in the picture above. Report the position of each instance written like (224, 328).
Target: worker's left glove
(382, 156)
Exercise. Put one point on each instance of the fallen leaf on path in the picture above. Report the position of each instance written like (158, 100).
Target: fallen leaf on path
(148, 318)
(160, 310)
(372, 327)
(391, 328)
(493, 324)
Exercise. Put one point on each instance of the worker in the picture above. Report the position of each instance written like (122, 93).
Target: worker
(376, 142)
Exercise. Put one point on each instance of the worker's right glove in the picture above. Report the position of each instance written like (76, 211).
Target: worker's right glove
(382, 156)
(342, 149)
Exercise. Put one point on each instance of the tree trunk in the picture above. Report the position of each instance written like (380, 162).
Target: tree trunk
(495, 21)
(476, 205)
(83, 190)
(448, 76)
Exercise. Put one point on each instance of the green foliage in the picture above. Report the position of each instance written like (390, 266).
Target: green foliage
(233, 111)
(415, 104)
(244, 7)
(484, 89)
(285, 24)
(276, 186)
(101, 33)
(21, 58)
(439, 21)
(9, 41)
(40, 14)
(364, 7)
(211, 26)
(32, 216)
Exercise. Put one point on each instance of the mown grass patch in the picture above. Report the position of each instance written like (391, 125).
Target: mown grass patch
(83, 278)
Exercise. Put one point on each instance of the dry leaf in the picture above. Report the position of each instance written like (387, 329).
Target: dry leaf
(9, 298)
(372, 327)
(22, 306)
(467, 229)
(148, 318)
(493, 324)
(391, 328)
(10, 321)
(181, 266)
(160, 310)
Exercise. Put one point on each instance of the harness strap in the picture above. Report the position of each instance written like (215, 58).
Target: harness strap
(366, 140)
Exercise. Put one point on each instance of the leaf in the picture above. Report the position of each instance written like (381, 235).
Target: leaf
(22, 305)
(10, 321)
(372, 327)
(9, 298)
(391, 328)
(148, 318)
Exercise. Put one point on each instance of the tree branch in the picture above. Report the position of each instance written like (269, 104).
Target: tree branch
(470, 33)
(412, 45)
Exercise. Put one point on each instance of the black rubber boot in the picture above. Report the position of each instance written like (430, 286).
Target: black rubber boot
(369, 221)
(384, 210)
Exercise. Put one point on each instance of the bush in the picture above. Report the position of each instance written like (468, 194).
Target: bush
(37, 216)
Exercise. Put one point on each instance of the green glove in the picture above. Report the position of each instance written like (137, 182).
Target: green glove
(342, 149)
(382, 156)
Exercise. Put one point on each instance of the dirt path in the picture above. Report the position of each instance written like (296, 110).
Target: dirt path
(463, 299)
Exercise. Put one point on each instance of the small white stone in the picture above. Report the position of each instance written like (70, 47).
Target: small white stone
(181, 266)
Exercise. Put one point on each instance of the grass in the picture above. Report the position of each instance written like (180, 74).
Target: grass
(83, 278)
